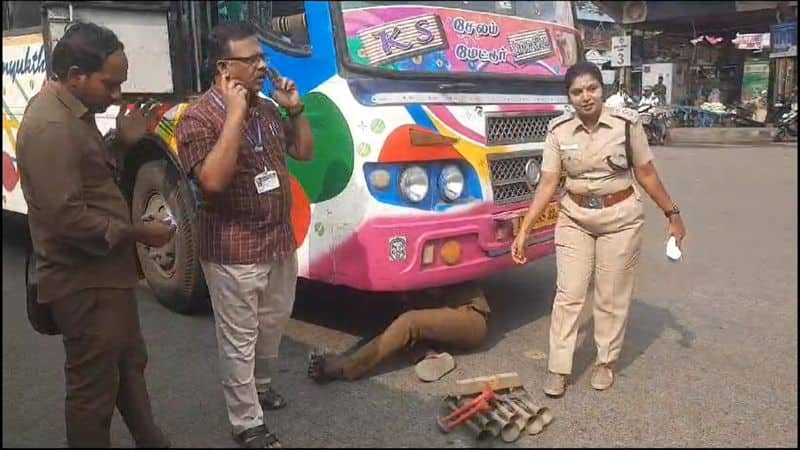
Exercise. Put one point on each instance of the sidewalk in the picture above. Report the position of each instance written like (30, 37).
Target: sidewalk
(740, 135)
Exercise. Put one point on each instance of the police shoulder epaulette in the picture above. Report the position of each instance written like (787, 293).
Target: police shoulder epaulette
(562, 119)
(625, 114)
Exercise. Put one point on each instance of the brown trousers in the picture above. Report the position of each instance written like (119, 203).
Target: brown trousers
(462, 327)
(105, 362)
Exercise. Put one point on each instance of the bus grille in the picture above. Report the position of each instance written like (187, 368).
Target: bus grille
(517, 129)
(509, 182)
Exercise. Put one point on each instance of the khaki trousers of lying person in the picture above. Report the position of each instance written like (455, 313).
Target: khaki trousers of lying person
(463, 327)
(252, 304)
(604, 244)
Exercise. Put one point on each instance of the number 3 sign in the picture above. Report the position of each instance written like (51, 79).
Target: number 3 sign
(620, 51)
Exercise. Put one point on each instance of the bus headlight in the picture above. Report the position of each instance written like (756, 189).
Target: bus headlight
(380, 179)
(451, 183)
(532, 172)
(414, 184)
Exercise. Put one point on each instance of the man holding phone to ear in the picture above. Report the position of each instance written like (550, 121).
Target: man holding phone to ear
(234, 144)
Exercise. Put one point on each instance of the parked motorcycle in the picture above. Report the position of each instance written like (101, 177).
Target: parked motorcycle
(653, 117)
(787, 121)
(654, 122)
(742, 115)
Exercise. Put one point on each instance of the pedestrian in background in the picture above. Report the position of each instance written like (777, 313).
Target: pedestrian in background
(599, 229)
(83, 238)
(660, 90)
(235, 144)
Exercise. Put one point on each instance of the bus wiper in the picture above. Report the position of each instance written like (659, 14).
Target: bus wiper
(461, 86)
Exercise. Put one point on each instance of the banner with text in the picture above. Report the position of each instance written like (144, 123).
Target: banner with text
(433, 39)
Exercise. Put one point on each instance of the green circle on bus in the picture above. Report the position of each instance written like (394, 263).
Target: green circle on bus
(328, 173)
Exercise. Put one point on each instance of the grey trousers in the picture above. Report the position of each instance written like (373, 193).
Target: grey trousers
(252, 304)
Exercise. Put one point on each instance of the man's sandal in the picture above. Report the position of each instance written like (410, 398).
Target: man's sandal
(434, 366)
(269, 399)
(257, 437)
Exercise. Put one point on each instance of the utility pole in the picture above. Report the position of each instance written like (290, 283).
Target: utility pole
(626, 71)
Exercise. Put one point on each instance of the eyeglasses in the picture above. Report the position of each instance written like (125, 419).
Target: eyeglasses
(249, 60)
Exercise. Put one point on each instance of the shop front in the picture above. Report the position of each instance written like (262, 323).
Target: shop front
(717, 60)
(784, 60)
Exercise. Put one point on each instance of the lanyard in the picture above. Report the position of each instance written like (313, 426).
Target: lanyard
(257, 146)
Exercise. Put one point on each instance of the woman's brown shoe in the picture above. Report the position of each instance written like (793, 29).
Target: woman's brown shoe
(555, 384)
(602, 377)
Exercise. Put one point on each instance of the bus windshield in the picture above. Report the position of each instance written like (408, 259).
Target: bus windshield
(504, 38)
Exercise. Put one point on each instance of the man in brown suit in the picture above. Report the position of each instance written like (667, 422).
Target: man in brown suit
(83, 238)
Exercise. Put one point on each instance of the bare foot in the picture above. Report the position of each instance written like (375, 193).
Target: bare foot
(323, 368)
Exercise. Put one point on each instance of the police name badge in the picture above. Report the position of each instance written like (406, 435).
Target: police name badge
(267, 181)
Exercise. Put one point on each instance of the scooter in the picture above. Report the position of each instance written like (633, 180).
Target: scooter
(787, 122)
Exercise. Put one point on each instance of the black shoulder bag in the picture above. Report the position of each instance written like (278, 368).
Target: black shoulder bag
(628, 151)
(39, 315)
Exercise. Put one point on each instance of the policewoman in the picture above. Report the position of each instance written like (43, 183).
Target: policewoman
(599, 229)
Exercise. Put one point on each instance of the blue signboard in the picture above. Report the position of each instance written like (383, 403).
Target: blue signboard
(783, 40)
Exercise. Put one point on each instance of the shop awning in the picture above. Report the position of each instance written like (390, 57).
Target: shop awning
(695, 17)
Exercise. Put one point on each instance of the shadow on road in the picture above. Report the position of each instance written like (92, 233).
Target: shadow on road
(646, 324)
(359, 313)
(517, 298)
(514, 304)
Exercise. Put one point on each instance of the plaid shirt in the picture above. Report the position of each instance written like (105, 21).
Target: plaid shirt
(241, 226)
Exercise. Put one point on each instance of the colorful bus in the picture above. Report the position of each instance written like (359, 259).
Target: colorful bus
(429, 119)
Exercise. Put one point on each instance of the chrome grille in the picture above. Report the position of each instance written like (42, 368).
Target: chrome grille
(517, 129)
(508, 177)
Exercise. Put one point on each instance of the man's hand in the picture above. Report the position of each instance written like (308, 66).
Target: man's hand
(132, 126)
(234, 94)
(285, 93)
(154, 234)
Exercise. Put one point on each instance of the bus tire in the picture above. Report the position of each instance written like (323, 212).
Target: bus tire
(173, 271)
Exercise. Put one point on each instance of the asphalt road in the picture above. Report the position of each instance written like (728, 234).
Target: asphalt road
(710, 357)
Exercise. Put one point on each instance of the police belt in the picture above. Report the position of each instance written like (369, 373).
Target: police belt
(600, 201)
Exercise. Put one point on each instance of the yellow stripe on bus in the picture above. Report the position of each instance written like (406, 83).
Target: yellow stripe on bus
(23, 40)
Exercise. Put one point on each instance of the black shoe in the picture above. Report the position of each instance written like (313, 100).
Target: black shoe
(270, 399)
(157, 440)
(257, 437)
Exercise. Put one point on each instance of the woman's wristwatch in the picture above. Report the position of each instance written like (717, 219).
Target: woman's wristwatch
(671, 212)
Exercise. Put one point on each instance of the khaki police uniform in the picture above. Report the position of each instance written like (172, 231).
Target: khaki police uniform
(599, 229)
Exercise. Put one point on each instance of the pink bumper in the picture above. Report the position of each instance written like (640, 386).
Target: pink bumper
(366, 261)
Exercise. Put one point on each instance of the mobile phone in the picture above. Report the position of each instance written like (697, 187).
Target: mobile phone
(273, 76)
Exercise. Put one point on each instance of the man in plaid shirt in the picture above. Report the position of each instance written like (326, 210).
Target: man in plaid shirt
(234, 144)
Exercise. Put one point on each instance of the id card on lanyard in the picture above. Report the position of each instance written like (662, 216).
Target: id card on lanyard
(257, 146)
(268, 179)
